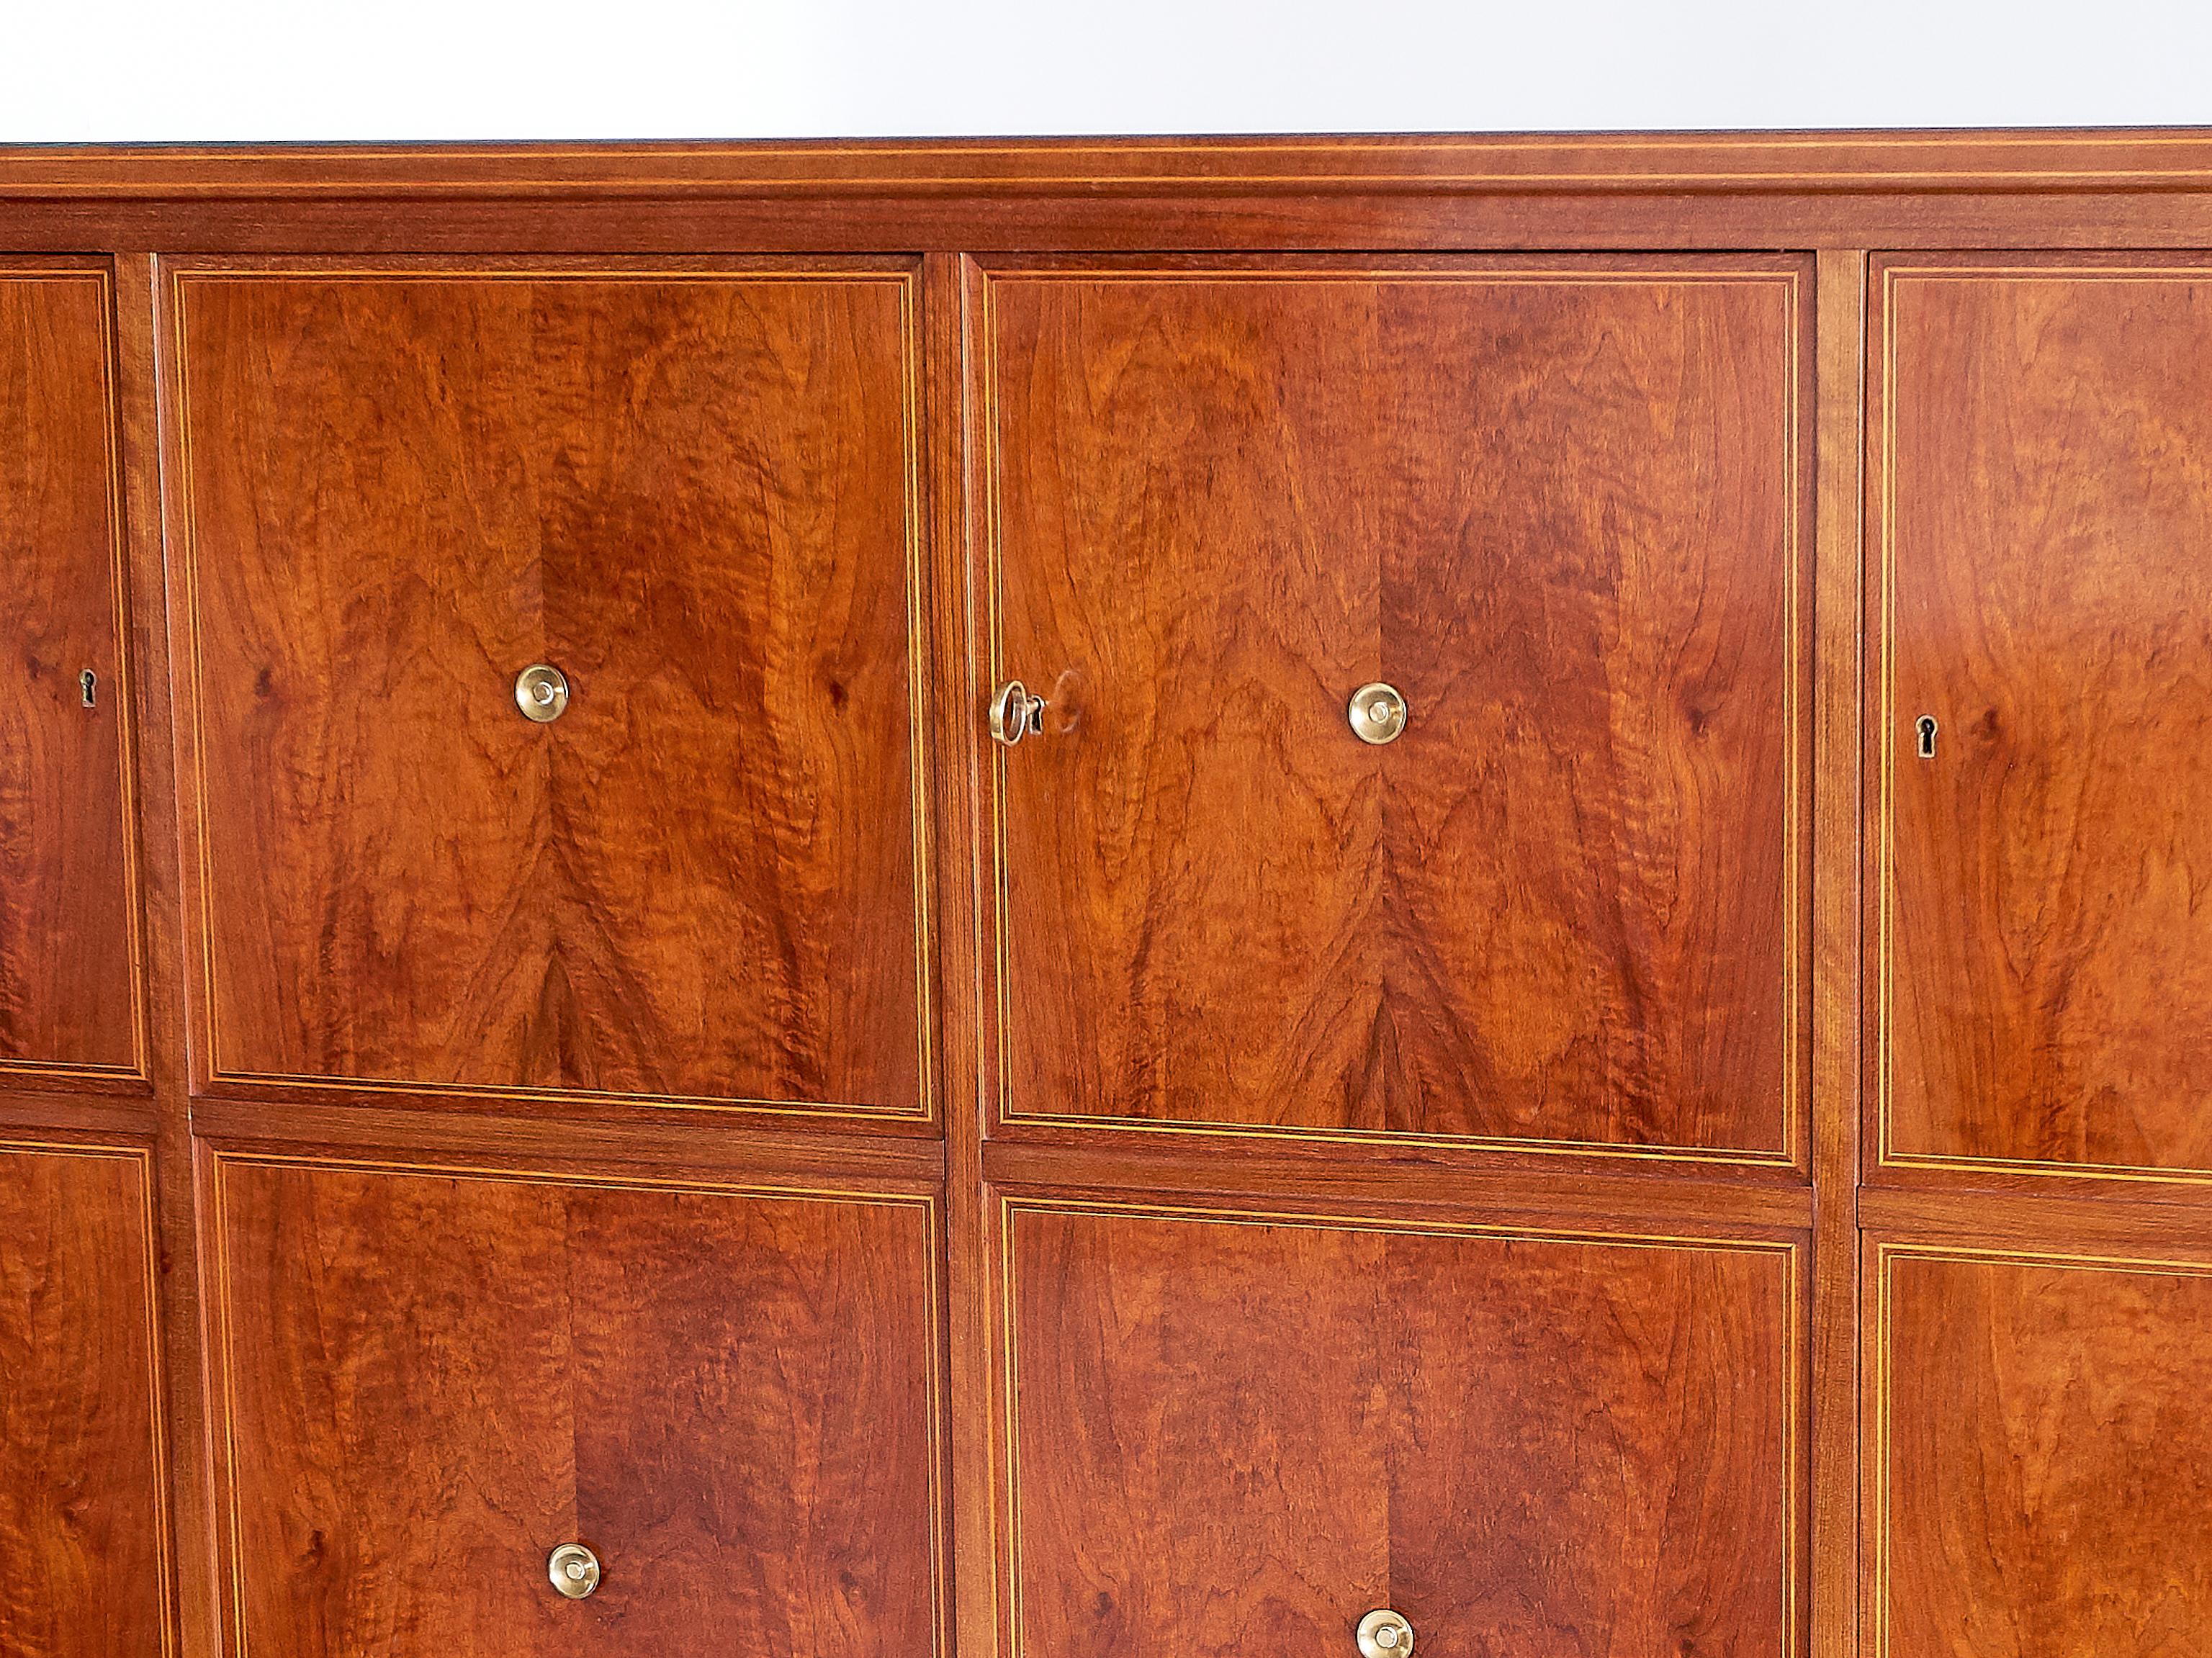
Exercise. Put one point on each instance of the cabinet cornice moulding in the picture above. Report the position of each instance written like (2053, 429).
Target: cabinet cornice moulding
(2129, 159)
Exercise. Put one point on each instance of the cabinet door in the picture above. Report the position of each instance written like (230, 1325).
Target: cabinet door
(67, 996)
(689, 492)
(1239, 1433)
(2043, 1460)
(2046, 502)
(1557, 508)
(82, 1528)
(432, 1380)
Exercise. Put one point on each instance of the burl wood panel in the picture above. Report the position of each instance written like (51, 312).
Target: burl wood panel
(2047, 509)
(67, 990)
(1233, 1436)
(81, 1522)
(690, 492)
(2046, 1468)
(434, 1380)
(1557, 509)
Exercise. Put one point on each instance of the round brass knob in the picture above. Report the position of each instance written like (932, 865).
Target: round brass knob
(1384, 1634)
(1378, 713)
(541, 691)
(575, 1570)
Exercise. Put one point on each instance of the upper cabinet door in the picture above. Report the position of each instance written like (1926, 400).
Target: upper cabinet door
(68, 1000)
(682, 863)
(2044, 741)
(1559, 510)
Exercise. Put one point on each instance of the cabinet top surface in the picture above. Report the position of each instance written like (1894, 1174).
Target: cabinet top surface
(1884, 162)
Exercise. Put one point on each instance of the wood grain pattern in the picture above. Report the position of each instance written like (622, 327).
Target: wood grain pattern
(689, 491)
(911, 171)
(81, 1520)
(2048, 947)
(1557, 508)
(725, 491)
(2046, 1465)
(433, 1379)
(1549, 192)
(1239, 1436)
(1838, 1065)
(68, 991)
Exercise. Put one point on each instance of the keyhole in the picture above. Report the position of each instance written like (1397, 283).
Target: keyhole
(87, 686)
(1925, 729)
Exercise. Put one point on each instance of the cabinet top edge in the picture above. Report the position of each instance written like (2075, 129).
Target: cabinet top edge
(1672, 163)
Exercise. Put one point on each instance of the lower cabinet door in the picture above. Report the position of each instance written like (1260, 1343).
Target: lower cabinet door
(1239, 1433)
(83, 1567)
(2041, 1455)
(432, 1380)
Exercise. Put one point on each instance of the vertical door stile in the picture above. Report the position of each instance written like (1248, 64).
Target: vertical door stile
(1837, 737)
(957, 609)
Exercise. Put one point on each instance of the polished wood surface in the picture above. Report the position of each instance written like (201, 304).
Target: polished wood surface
(2046, 1456)
(1240, 1434)
(1838, 1072)
(1549, 191)
(689, 491)
(1557, 507)
(431, 1380)
(2047, 950)
(82, 1498)
(733, 432)
(68, 989)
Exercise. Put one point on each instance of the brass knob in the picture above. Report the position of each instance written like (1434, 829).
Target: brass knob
(541, 691)
(1378, 713)
(1384, 1634)
(1015, 713)
(575, 1570)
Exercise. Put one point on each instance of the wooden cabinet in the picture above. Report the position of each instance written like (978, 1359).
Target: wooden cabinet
(68, 989)
(1558, 506)
(687, 490)
(1241, 1431)
(81, 1522)
(432, 1380)
(1009, 899)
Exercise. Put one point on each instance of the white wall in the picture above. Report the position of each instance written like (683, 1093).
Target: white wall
(130, 70)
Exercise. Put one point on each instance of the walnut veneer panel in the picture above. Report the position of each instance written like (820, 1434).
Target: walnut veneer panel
(1240, 1433)
(691, 491)
(2044, 510)
(67, 992)
(82, 1506)
(2044, 1458)
(432, 1380)
(1558, 507)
